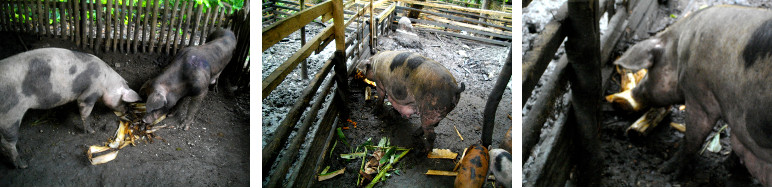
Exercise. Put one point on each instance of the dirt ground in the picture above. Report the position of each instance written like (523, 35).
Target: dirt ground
(632, 160)
(214, 152)
(472, 63)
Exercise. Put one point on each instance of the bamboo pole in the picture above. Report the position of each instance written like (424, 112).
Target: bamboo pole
(179, 34)
(91, 23)
(205, 27)
(154, 26)
(145, 27)
(169, 38)
(139, 28)
(163, 31)
(99, 24)
(108, 27)
(195, 25)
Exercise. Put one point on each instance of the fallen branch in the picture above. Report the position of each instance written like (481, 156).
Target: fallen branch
(459, 134)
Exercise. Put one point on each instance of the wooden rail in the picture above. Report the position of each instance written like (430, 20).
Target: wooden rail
(271, 35)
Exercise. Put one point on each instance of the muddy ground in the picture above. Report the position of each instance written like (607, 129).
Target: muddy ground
(473, 63)
(214, 152)
(632, 160)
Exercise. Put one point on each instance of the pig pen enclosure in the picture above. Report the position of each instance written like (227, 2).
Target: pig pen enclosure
(551, 119)
(137, 39)
(472, 46)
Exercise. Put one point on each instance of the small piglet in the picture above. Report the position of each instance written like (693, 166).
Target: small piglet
(414, 84)
(190, 74)
(50, 77)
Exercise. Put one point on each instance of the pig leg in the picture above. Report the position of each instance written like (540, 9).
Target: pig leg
(378, 108)
(193, 107)
(214, 82)
(10, 135)
(700, 120)
(429, 136)
(86, 104)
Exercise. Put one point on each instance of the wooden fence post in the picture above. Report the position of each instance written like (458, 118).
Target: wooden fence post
(489, 114)
(583, 52)
(98, 31)
(304, 63)
(200, 9)
(340, 56)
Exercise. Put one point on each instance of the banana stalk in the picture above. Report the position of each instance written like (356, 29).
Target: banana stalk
(648, 121)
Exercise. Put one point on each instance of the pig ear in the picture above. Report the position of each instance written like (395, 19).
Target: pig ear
(129, 95)
(642, 55)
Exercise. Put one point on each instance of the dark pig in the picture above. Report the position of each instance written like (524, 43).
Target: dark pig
(718, 61)
(49, 77)
(414, 84)
(189, 75)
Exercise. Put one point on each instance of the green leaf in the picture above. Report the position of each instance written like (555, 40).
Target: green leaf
(715, 144)
(673, 16)
(342, 137)
(352, 155)
(325, 170)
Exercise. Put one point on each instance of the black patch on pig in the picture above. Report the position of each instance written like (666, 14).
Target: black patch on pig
(759, 126)
(9, 98)
(414, 62)
(38, 82)
(500, 160)
(73, 69)
(400, 92)
(476, 161)
(759, 45)
(399, 60)
(83, 57)
(471, 175)
(85, 78)
(91, 99)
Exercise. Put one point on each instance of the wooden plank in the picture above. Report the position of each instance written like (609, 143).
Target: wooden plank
(272, 149)
(534, 119)
(477, 16)
(491, 12)
(544, 47)
(285, 7)
(277, 31)
(470, 30)
(553, 163)
(319, 146)
(338, 29)
(456, 18)
(278, 75)
(195, 25)
(491, 41)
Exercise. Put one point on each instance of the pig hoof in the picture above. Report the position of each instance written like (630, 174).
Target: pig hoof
(21, 164)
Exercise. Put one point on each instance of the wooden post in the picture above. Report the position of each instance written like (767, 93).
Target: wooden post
(92, 25)
(583, 51)
(124, 26)
(489, 114)
(205, 28)
(77, 20)
(154, 26)
(137, 26)
(304, 64)
(414, 14)
(372, 29)
(485, 4)
(340, 56)
(165, 20)
(83, 25)
(143, 25)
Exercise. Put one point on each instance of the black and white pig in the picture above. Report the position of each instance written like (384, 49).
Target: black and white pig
(718, 61)
(414, 84)
(189, 75)
(50, 77)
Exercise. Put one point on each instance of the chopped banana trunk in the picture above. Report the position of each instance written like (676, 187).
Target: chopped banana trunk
(159, 119)
(648, 121)
(625, 100)
(368, 93)
(442, 154)
(678, 126)
(119, 134)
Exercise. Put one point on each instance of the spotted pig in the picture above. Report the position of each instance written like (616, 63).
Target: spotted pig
(414, 84)
(49, 77)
